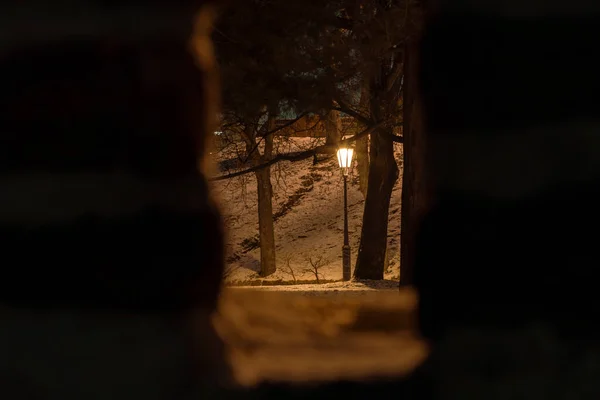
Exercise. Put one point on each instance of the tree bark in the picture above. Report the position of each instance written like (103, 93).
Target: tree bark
(415, 186)
(362, 164)
(264, 189)
(383, 172)
(266, 229)
(332, 128)
(265, 222)
(362, 145)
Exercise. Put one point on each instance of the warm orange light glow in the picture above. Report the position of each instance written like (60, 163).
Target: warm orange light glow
(344, 155)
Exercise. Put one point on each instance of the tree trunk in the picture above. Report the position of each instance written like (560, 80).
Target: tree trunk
(264, 189)
(383, 172)
(362, 161)
(362, 145)
(415, 187)
(265, 222)
(386, 260)
(332, 128)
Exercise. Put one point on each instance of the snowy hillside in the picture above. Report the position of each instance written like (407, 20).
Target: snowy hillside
(308, 207)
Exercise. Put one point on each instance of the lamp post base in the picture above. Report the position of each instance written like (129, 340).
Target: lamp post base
(346, 273)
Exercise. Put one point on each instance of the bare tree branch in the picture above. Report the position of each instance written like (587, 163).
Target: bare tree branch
(288, 268)
(346, 109)
(315, 267)
(271, 132)
(286, 125)
(298, 156)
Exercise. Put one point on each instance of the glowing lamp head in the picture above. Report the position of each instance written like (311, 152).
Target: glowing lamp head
(344, 155)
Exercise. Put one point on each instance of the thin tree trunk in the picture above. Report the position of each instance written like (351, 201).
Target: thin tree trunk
(265, 222)
(266, 231)
(332, 128)
(265, 207)
(383, 172)
(415, 187)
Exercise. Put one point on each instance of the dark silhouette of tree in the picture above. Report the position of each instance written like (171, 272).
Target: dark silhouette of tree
(416, 185)
(374, 35)
(257, 67)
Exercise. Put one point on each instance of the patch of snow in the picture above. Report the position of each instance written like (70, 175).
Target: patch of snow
(312, 229)
(360, 287)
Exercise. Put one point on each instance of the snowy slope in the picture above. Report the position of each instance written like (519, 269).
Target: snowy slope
(308, 203)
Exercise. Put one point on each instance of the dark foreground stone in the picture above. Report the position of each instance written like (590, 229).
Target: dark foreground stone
(111, 248)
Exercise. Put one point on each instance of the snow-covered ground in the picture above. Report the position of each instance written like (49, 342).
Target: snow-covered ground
(324, 289)
(308, 204)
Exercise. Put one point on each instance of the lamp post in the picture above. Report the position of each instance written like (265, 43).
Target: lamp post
(344, 155)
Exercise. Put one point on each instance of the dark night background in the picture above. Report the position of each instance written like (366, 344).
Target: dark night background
(113, 247)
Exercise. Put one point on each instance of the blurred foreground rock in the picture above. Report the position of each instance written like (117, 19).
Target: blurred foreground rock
(111, 246)
(507, 255)
(307, 338)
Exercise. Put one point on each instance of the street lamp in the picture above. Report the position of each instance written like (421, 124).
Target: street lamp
(344, 155)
